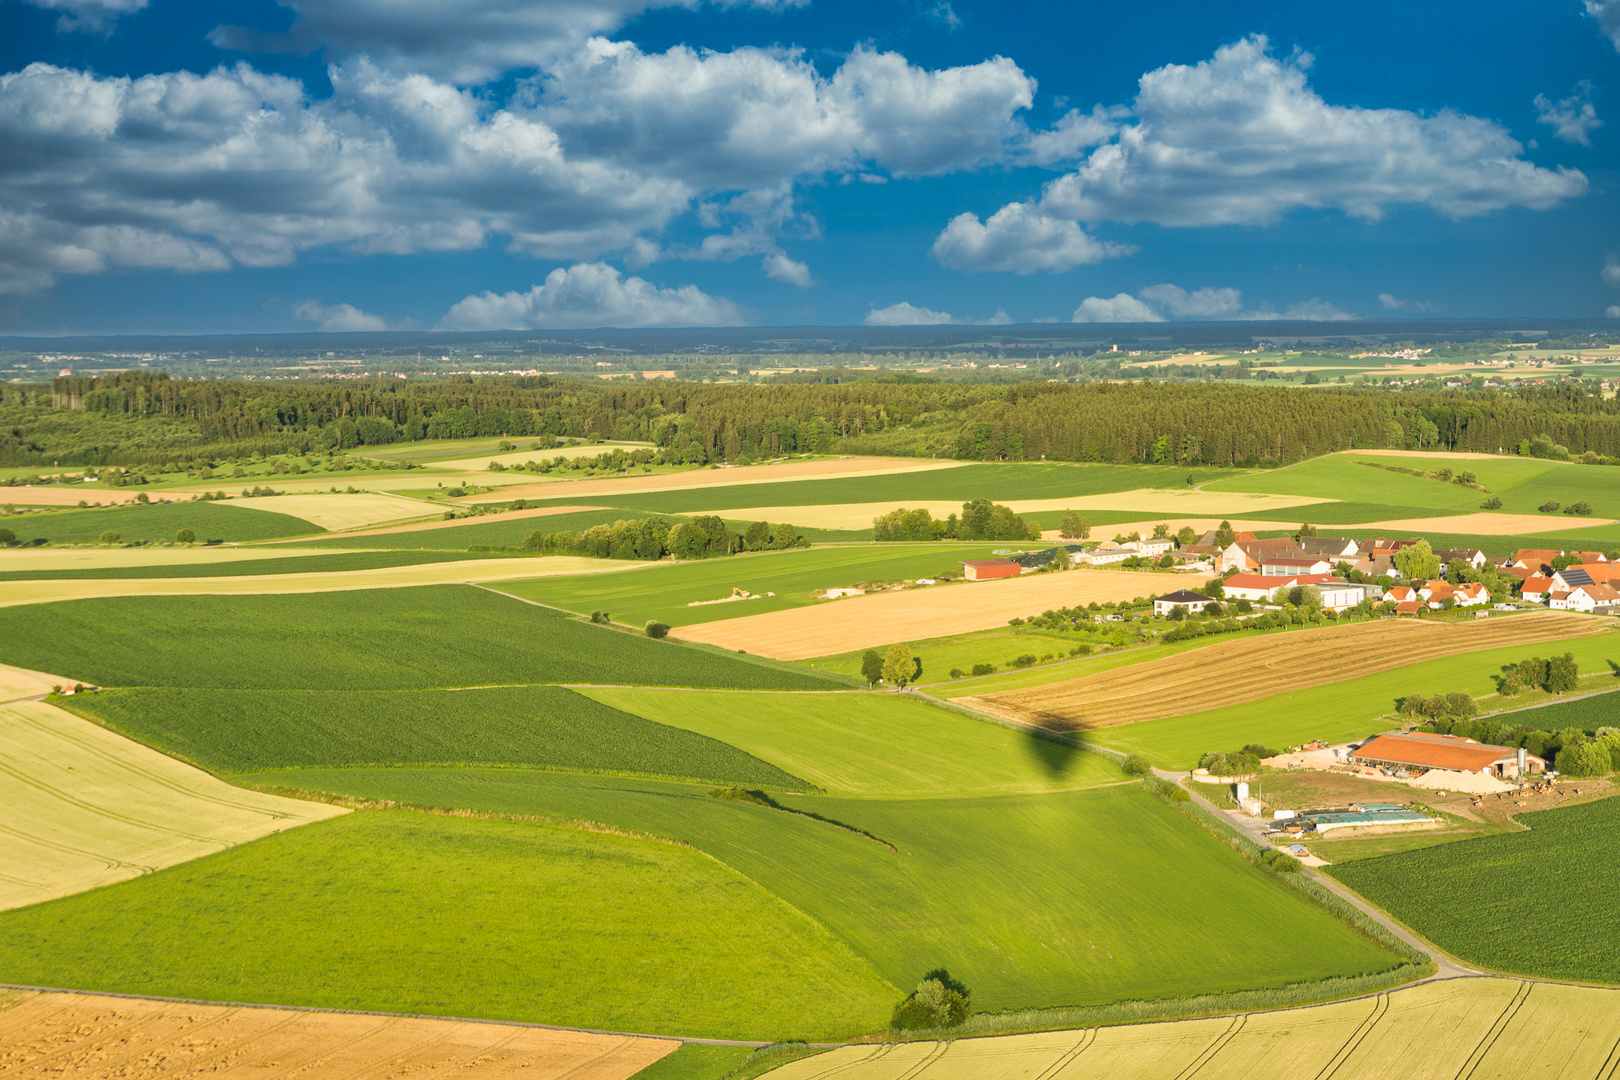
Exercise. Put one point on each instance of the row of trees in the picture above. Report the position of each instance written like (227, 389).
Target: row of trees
(1154, 423)
(653, 538)
(980, 520)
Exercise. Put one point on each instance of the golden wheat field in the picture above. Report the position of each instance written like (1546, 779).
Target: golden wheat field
(1482, 1028)
(1234, 672)
(82, 1035)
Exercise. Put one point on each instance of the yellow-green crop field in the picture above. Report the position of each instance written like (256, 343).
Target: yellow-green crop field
(85, 807)
(1482, 1028)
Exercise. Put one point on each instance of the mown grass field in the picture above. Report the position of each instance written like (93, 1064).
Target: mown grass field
(158, 523)
(85, 807)
(546, 726)
(1340, 711)
(873, 744)
(299, 564)
(488, 532)
(998, 647)
(418, 913)
(663, 592)
(383, 639)
(1033, 900)
(1533, 903)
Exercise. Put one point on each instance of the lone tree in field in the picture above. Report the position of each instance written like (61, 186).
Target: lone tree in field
(185, 536)
(656, 629)
(899, 666)
(1225, 535)
(871, 667)
(1074, 527)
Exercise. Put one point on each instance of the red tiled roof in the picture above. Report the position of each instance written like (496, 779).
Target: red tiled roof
(981, 563)
(1536, 583)
(1256, 581)
(1434, 751)
(1409, 607)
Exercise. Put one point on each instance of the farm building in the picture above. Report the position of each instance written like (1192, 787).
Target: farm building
(1358, 816)
(1184, 599)
(1103, 554)
(1253, 554)
(987, 569)
(1593, 599)
(1472, 556)
(1152, 547)
(1330, 547)
(1293, 567)
(1450, 753)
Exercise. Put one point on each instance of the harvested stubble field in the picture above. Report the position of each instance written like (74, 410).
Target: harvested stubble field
(466, 571)
(861, 622)
(350, 510)
(1492, 900)
(85, 807)
(51, 1035)
(1234, 672)
(1485, 1029)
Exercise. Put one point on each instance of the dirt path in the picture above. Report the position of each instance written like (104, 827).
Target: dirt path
(1238, 671)
(64, 1034)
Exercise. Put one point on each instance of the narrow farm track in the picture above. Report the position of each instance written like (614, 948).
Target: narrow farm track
(1235, 672)
(56, 1034)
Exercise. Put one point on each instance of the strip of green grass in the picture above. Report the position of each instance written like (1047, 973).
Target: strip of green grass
(496, 531)
(1535, 903)
(664, 592)
(999, 647)
(303, 564)
(1069, 898)
(377, 639)
(419, 913)
(158, 523)
(1003, 482)
(872, 744)
(546, 726)
(1339, 711)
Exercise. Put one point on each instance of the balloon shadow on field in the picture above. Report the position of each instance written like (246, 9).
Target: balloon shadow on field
(1054, 745)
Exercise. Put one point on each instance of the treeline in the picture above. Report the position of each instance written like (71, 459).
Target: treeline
(980, 520)
(147, 417)
(653, 538)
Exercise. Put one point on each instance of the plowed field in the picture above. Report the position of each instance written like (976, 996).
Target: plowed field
(55, 1035)
(862, 622)
(1234, 672)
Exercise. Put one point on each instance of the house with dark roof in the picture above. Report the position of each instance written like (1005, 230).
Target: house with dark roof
(1184, 599)
(1472, 556)
(1246, 555)
(1336, 548)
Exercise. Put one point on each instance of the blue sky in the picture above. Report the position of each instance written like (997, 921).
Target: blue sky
(248, 165)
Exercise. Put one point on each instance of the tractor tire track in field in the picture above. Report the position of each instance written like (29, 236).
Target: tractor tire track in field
(1236, 672)
(1357, 1037)
(1503, 1022)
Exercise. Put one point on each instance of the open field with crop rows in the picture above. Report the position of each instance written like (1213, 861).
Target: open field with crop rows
(1486, 1029)
(1495, 900)
(1254, 668)
(885, 745)
(665, 592)
(339, 510)
(863, 622)
(541, 726)
(1160, 908)
(422, 913)
(255, 561)
(508, 529)
(159, 523)
(388, 639)
(45, 1035)
(86, 807)
(1343, 711)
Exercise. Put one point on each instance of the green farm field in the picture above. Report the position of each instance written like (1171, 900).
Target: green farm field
(1066, 898)
(383, 639)
(496, 532)
(663, 592)
(1587, 713)
(1533, 903)
(1345, 710)
(158, 523)
(998, 647)
(300, 564)
(546, 726)
(873, 744)
(421, 913)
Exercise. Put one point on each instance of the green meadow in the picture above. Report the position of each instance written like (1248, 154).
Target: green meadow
(298, 564)
(157, 523)
(382, 639)
(873, 744)
(546, 726)
(1341, 711)
(1067, 898)
(417, 913)
(496, 532)
(664, 592)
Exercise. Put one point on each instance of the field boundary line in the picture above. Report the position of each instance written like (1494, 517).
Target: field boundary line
(400, 1016)
(1477, 1057)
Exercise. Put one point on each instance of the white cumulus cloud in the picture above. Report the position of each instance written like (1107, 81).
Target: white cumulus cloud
(778, 267)
(1607, 13)
(592, 295)
(1611, 271)
(904, 314)
(1123, 308)
(1574, 118)
(1391, 302)
(1199, 304)
(1242, 139)
(337, 319)
(1020, 238)
(89, 15)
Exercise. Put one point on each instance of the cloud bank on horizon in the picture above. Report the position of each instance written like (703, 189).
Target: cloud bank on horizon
(752, 183)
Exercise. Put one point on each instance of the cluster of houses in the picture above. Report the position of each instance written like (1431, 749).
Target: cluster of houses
(1589, 583)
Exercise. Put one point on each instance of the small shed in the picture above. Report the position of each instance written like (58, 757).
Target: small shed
(986, 569)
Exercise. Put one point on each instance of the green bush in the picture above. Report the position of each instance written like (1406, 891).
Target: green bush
(1281, 862)
(1492, 503)
(938, 1002)
(1549, 507)
(656, 629)
(7, 538)
(1164, 789)
(984, 669)
(110, 537)
(1580, 509)
(1027, 660)
(185, 536)
(1136, 765)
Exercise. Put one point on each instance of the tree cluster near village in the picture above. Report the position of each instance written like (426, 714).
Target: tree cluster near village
(980, 520)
